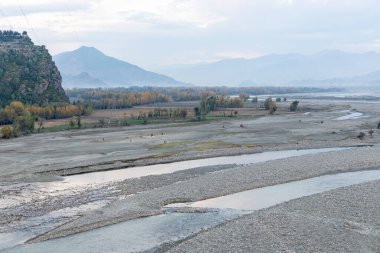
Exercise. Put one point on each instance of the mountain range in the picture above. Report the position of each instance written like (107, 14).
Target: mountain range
(324, 68)
(89, 67)
(370, 80)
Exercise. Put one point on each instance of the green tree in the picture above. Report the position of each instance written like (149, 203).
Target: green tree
(24, 123)
(267, 103)
(294, 106)
(197, 113)
(208, 104)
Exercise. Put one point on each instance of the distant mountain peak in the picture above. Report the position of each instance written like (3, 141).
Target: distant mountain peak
(88, 50)
(88, 66)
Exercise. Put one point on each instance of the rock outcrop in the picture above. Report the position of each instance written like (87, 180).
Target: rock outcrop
(27, 72)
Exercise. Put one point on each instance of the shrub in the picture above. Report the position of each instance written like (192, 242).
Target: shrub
(272, 107)
(71, 123)
(278, 100)
(361, 135)
(24, 123)
(294, 106)
(102, 123)
(267, 103)
(197, 112)
(7, 132)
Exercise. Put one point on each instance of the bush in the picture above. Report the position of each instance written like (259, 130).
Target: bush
(6, 132)
(278, 100)
(294, 106)
(71, 123)
(267, 103)
(25, 122)
(197, 112)
(270, 105)
(102, 123)
(361, 135)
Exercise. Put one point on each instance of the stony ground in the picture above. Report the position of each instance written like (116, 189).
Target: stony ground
(342, 220)
(222, 182)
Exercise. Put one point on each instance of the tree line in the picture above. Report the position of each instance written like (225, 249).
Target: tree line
(111, 99)
(180, 93)
(10, 113)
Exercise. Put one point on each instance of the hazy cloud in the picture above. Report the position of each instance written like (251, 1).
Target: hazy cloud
(150, 32)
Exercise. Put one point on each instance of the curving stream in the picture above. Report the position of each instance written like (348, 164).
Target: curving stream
(146, 234)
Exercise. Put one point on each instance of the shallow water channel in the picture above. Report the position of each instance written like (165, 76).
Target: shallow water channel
(159, 169)
(351, 116)
(147, 233)
(28, 191)
(16, 195)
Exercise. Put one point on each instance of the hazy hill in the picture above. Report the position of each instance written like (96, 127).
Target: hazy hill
(370, 80)
(278, 69)
(88, 67)
(27, 72)
(83, 80)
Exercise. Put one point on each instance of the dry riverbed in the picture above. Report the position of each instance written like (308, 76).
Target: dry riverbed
(34, 204)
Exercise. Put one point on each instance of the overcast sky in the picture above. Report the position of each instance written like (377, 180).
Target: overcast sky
(162, 32)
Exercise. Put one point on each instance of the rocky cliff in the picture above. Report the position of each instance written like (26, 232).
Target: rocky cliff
(27, 72)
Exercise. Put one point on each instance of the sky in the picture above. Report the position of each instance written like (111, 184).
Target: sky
(153, 33)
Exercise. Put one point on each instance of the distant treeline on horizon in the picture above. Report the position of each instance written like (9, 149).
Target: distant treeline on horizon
(117, 98)
(195, 93)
